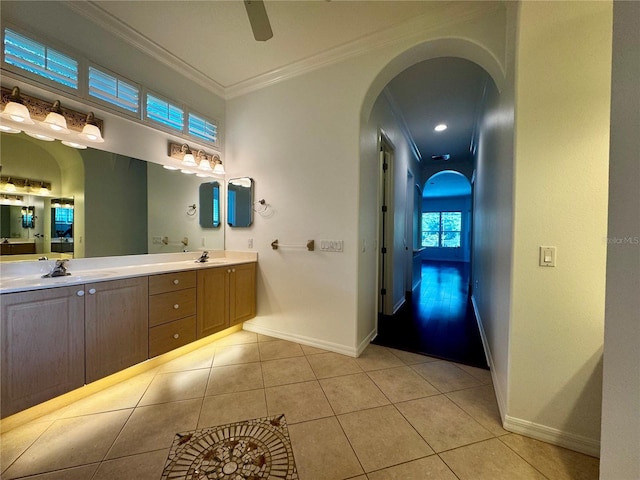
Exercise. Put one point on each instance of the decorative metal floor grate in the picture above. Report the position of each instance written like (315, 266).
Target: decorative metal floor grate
(251, 450)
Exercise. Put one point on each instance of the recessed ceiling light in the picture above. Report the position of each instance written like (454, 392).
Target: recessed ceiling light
(441, 127)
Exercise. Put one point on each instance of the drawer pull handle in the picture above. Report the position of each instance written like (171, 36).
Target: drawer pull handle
(176, 306)
(92, 291)
(176, 336)
(176, 281)
(80, 293)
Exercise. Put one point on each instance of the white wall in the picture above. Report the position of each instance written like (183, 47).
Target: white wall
(561, 166)
(619, 458)
(493, 221)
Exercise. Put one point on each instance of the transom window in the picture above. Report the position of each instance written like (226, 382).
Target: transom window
(441, 229)
(39, 61)
(37, 58)
(113, 90)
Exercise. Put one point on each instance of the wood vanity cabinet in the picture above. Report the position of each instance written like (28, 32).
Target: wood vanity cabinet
(226, 296)
(42, 346)
(117, 325)
(172, 311)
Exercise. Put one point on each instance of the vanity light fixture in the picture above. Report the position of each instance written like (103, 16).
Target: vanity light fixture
(8, 199)
(14, 184)
(9, 186)
(188, 160)
(55, 119)
(43, 189)
(16, 110)
(90, 131)
(218, 167)
(203, 164)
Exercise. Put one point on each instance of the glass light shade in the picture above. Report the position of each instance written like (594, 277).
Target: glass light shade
(92, 133)
(9, 186)
(79, 146)
(187, 172)
(189, 160)
(202, 175)
(170, 167)
(219, 169)
(205, 165)
(56, 122)
(18, 113)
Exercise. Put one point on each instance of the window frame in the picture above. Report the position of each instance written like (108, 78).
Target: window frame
(441, 230)
(112, 106)
(39, 79)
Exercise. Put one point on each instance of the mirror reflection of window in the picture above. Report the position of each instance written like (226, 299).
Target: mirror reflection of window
(28, 215)
(240, 202)
(209, 194)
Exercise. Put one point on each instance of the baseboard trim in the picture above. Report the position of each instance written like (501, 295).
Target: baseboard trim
(500, 398)
(578, 443)
(312, 342)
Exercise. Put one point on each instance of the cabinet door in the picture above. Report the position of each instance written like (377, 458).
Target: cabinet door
(117, 325)
(42, 346)
(242, 293)
(212, 299)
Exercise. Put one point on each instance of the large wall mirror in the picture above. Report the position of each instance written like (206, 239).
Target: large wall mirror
(121, 205)
(240, 202)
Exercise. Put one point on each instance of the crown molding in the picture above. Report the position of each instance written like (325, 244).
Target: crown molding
(404, 128)
(409, 32)
(91, 11)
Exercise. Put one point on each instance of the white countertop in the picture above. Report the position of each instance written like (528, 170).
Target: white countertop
(24, 276)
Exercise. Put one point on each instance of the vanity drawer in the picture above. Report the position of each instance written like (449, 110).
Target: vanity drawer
(169, 282)
(168, 336)
(169, 306)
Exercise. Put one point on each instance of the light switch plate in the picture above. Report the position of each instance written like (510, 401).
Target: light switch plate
(547, 256)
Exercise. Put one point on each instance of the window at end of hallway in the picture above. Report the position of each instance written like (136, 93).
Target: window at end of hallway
(441, 229)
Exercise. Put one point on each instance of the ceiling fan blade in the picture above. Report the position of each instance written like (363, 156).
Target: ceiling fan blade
(258, 19)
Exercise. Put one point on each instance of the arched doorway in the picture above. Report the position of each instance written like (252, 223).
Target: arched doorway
(409, 159)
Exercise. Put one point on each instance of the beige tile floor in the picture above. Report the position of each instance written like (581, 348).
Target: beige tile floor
(383, 416)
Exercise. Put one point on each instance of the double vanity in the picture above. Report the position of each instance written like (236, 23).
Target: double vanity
(107, 314)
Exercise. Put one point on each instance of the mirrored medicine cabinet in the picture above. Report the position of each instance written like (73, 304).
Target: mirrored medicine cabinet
(240, 202)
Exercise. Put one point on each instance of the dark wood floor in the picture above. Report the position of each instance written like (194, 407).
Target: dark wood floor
(438, 320)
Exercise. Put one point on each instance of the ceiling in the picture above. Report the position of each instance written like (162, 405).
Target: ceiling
(214, 39)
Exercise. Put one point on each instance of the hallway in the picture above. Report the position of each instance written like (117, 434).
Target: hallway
(438, 320)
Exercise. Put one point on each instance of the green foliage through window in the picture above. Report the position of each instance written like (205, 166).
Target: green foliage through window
(441, 229)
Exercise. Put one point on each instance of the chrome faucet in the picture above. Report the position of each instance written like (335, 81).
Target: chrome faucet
(59, 270)
(203, 258)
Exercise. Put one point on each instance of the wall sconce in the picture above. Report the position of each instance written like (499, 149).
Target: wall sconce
(218, 168)
(16, 110)
(188, 160)
(202, 164)
(55, 119)
(90, 131)
(13, 184)
(75, 129)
